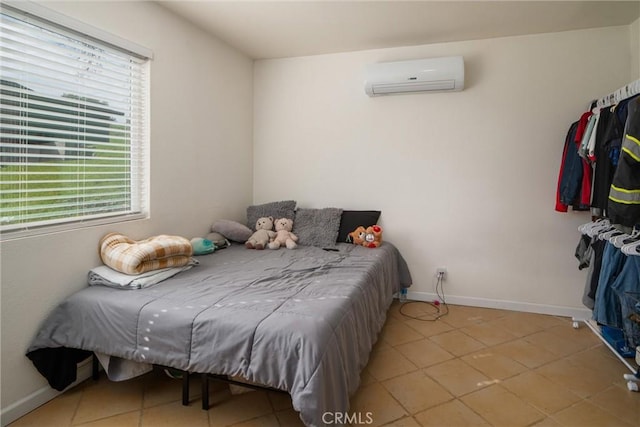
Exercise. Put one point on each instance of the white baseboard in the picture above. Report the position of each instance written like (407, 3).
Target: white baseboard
(41, 396)
(554, 310)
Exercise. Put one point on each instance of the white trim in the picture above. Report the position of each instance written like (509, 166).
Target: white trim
(41, 396)
(6, 236)
(60, 19)
(554, 310)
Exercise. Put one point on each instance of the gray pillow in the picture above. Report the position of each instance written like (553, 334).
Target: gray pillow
(317, 227)
(282, 209)
(232, 230)
(218, 239)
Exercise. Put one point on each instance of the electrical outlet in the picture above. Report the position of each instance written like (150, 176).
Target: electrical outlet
(441, 272)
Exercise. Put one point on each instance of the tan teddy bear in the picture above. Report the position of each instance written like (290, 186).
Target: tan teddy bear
(284, 236)
(357, 236)
(264, 233)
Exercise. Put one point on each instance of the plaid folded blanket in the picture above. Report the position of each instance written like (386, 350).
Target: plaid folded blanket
(135, 257)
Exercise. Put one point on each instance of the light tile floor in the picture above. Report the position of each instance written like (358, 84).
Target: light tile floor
(473, 367)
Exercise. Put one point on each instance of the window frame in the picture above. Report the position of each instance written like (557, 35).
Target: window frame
(37, 14)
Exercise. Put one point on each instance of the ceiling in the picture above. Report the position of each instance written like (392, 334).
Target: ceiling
(277, 29)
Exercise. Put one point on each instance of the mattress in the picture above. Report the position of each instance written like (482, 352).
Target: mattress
(303, 321)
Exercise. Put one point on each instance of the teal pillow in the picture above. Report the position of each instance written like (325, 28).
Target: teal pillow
(202, 246)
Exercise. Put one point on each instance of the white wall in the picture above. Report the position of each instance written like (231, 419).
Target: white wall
(464, 180)
(201, 135)
(634, 41)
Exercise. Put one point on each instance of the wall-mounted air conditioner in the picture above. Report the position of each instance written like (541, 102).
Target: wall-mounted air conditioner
(423, 75)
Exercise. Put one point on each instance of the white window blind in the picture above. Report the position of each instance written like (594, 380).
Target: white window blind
(73, 136)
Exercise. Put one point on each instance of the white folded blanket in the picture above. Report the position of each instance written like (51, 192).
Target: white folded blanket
(106, 276)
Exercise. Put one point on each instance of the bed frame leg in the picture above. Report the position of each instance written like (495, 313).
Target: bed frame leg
(205, 392)
(185, 388)
(95, 367)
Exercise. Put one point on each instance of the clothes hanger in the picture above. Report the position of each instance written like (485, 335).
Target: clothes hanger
(586, 228)
(603, 230)
(631, 248)
(597, 229)
(609, 234)
(625, 239)
(631, 245)
(581, 227)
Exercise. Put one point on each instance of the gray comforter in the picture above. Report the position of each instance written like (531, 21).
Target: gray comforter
(303, 321)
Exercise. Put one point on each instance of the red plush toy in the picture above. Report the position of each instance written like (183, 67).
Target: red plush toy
(373, 236)
(370, 237)
(357, 236)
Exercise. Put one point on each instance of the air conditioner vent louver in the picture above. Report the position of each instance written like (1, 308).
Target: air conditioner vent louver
(424, 75)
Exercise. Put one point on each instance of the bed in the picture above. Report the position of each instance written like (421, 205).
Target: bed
(302, 321)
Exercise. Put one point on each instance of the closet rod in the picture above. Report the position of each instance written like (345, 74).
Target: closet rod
(624, 92)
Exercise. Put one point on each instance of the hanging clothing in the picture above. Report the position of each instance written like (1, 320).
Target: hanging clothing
(574, 180)
(582, 126)
(583, 132)
(615, 300)
(570, 172)
(598, 252)
(627, 283)
(585, 187)
(591, 143)
(607, 309)
(583, 251)
(624, 196)
(583, 149)
(609, 140)
(589, 253)
(604, 167)
(629, 291)
(587, 300)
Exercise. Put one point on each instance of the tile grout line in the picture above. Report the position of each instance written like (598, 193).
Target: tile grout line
(487, 347)
(75, 411)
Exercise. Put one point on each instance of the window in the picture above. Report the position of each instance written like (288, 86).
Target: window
(73, 135)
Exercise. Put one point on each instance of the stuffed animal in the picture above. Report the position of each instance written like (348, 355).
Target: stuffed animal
(284, 236)
(373, 236)
(357, 236)
(264, 233)
(370, 237)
